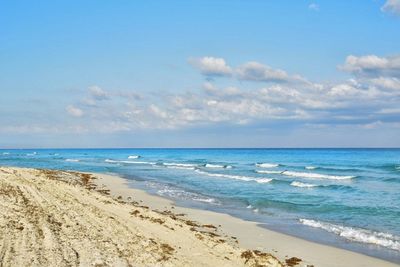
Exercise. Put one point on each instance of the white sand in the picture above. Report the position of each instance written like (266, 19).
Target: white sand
(54, 218)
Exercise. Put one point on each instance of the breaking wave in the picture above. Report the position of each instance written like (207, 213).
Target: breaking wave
(357, 234)
(72, 160)
(134, 157)
(269, 172)
(316, 175)
(237, 177)
(179, 164)
(181, 167)
(181, 194)
(310, 168)
(267, 165)
(209, 165)
(130, 162)
(299, 184)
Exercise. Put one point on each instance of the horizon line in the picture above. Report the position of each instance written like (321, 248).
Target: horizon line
(109, 148)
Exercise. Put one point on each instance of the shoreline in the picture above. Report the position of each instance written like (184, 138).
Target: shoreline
(72, 218)
(251, 235)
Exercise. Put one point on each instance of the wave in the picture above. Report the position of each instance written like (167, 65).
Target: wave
(299, 184)
(181, 194)
(133, 157)
(181, 167)
(357, 234)
(31, 154)
(269, 172)
(6, 153)
(267, 165)
(263, 180)
(316, 175)
(310, 167)
(129, 162)
(237, 177)
(72, 160)
(209, 165)
(179, 164)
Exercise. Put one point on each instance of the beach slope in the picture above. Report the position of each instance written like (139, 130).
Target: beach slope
(58, 218)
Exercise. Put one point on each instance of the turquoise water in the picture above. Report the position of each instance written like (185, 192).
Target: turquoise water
(349, 198)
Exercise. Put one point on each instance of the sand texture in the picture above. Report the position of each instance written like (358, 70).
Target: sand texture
(56, 218)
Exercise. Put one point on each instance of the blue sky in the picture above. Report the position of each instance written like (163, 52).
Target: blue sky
(200, 73)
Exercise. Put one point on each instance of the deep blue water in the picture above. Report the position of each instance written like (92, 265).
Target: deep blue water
(345, 197)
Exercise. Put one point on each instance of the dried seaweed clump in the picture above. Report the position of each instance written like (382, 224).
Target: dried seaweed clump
(167, 252)
(258, 258)
(292, 261)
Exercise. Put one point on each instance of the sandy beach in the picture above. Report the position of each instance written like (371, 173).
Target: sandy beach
(59, 218)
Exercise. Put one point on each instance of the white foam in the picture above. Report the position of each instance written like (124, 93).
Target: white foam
(133, 157)
(268, 172)
(267, 165)
(299, 184)
(181, 167)
(263, 180)
(129, 162)
(6, 153)
(206, 200)
(209, 165)
(249, 206)
(310, 168)
(315, 175)
(72, 160)
(357, 234)
(181, 194)
(179, 164)
(31, 154)
(237, 177)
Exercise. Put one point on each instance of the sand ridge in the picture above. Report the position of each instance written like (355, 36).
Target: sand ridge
(59, 218)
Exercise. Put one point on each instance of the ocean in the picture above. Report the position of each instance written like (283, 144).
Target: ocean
(348, 198)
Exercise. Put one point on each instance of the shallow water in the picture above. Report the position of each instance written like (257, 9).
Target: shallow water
(344, 197)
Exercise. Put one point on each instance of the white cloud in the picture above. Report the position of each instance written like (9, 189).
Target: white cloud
(254, 71)
(386, 83)
(389, 111)
(209, 87)
(98, 93)
(391, 6)
(211, 66)
(250, 71)
(367, 98)
(74, 111)
(372, 65)
(343, 89)
(313, 6)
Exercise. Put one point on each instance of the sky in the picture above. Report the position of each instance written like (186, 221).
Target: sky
(209, 73)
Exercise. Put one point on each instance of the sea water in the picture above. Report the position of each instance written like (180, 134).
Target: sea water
(348, 198)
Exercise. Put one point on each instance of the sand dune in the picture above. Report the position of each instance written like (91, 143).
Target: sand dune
(55, 218)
